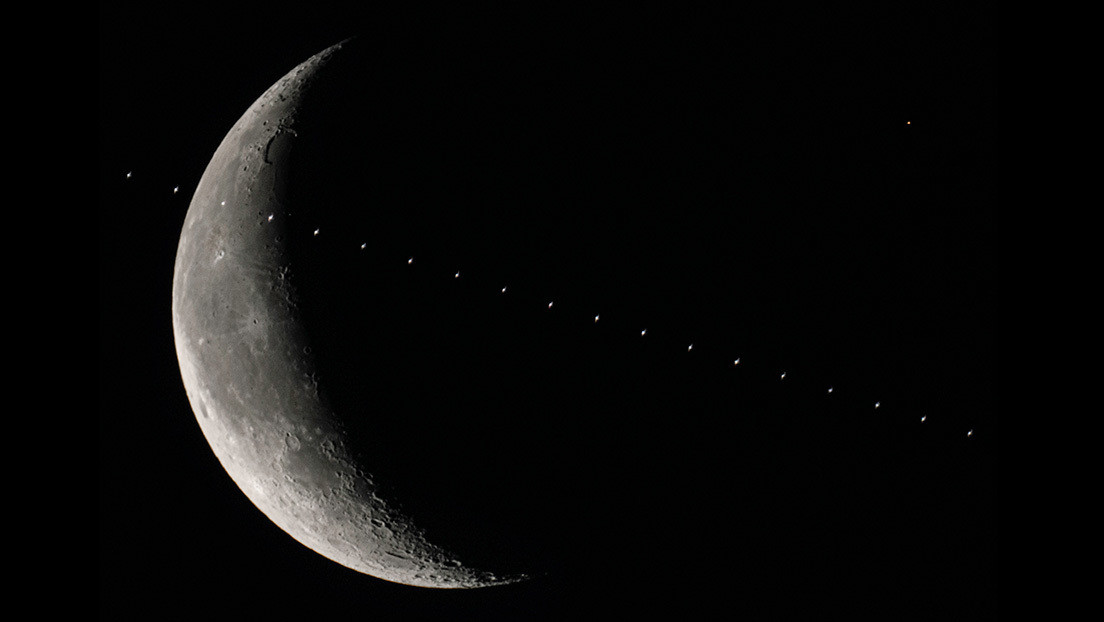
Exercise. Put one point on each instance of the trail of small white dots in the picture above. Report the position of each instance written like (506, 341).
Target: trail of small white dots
(549, 305)
(736, 362)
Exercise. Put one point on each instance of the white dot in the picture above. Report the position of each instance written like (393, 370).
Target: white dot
(829, 389)
(923, 419)
(363, 246)
(970, 433)
(224, 203)
(316, 232)
(783, 377)
(549, 305)
(176, 189)
(736, 362)
(596, 319)
(457, 275)
(128, 174)
(643, 332)
(503, 290)
(877, 404)
(410, 261)
(270, 216)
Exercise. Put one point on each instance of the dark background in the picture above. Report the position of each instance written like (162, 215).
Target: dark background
(810, 189)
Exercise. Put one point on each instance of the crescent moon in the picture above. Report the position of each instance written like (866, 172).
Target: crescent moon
(245, 361)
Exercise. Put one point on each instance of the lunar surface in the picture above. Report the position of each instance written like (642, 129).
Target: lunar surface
(247, 354)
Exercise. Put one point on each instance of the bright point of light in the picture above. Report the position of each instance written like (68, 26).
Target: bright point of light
(270, 216)
(736, 362)
(410, 261)
(643, 332)
(596, 319)
(829, 389)
(970, 433)
(224, 203)
(783, 377)
(503, 290)
(457, 275)
(176, 189)
(877, 404)
(923, 419)
(363, 246)
(316, 232)
(690, 347)
(550, 305)
(128, 174)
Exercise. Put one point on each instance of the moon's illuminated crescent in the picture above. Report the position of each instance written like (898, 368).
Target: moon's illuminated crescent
(245, 366)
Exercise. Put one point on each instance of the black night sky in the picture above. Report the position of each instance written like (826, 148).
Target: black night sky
(809, 189)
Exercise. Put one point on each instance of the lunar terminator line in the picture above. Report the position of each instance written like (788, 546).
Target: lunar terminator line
(246, 366)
